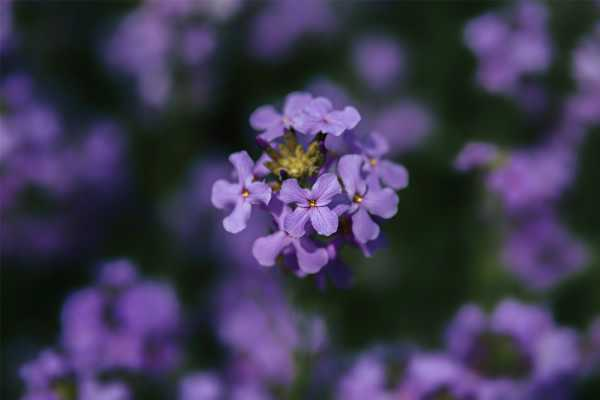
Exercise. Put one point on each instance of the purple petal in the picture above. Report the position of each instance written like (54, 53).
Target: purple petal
(325, 188)
(273, 132)
(392, 174)
(295, 223)
(238, 219)
(363, 227)
(375, 145)
(267, 249)
(383, 203)
(243, 166)
(225, 193)
(310, 258)
(324, 220)
(264, 118)
(296, 102)
(318, 108)
(260, 192)
(291, 192)
(334, 128)
(349, 168)
(348, 118)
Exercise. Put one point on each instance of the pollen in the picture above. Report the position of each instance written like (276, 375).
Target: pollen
(373, 162)
(245, 193)
(312, 203)
(358, 199)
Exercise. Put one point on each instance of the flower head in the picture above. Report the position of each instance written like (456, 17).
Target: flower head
(272, 124)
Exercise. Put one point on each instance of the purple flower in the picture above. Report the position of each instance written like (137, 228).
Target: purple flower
(273, 124)
(433, 376)
(518, 345)
(510, 46)
(319, 116)
(405, 125)
(366, 200)
(311, 204)
(532, 178)
(310, 257)
(542, 253)
(374, 147)
(475, 154)
(378, 60)
(200, 386)
(51, 375)
(366, 380)
(243, 195)
(123, 322)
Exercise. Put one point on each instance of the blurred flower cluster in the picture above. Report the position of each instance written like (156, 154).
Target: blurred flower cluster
(156, 215)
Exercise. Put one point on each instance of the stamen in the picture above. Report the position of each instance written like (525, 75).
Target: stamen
(245, 193)
(312, 203)
(373, 162)
(358, 199)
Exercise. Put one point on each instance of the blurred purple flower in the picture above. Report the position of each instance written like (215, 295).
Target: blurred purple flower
(123, 322)
(378, 61)
(510, 45)
(374, 147)
(542, 253)
(474, 155)
(518, 345)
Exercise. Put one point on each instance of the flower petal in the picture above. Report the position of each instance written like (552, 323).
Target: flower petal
(295, 103)
(291, 192)
(363, 227)
(264, 118)
(295, 223)
(324, 220)
(325, 188)
(260, 192)
(318, 108)
(349, 168)
(225, 193)
(238, 219)
(392, 174)
(267, 249)
(349, 117)
(243, 165)
(383, 203)
(310, 258)
(375, 145)
(273, 132)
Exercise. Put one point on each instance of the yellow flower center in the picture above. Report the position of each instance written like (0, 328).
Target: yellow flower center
(245, 193)
(312, 203)
(373, 162)
(358, 198)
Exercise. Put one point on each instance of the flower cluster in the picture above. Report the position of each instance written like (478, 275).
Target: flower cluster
(73, 180)
(510, 46)
(517, 352)
(319, 199)
(122, 322)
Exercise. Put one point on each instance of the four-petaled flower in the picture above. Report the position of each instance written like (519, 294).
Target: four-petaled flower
(273, 124)
(365, 199)
(310, 257)
(319, 116)
(391, 174)
(311, 204)
(242, 195)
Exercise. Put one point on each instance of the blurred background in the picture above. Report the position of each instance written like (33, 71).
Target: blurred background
(117, 117)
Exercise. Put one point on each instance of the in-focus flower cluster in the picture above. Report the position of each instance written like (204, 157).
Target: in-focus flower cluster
(319, 200)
